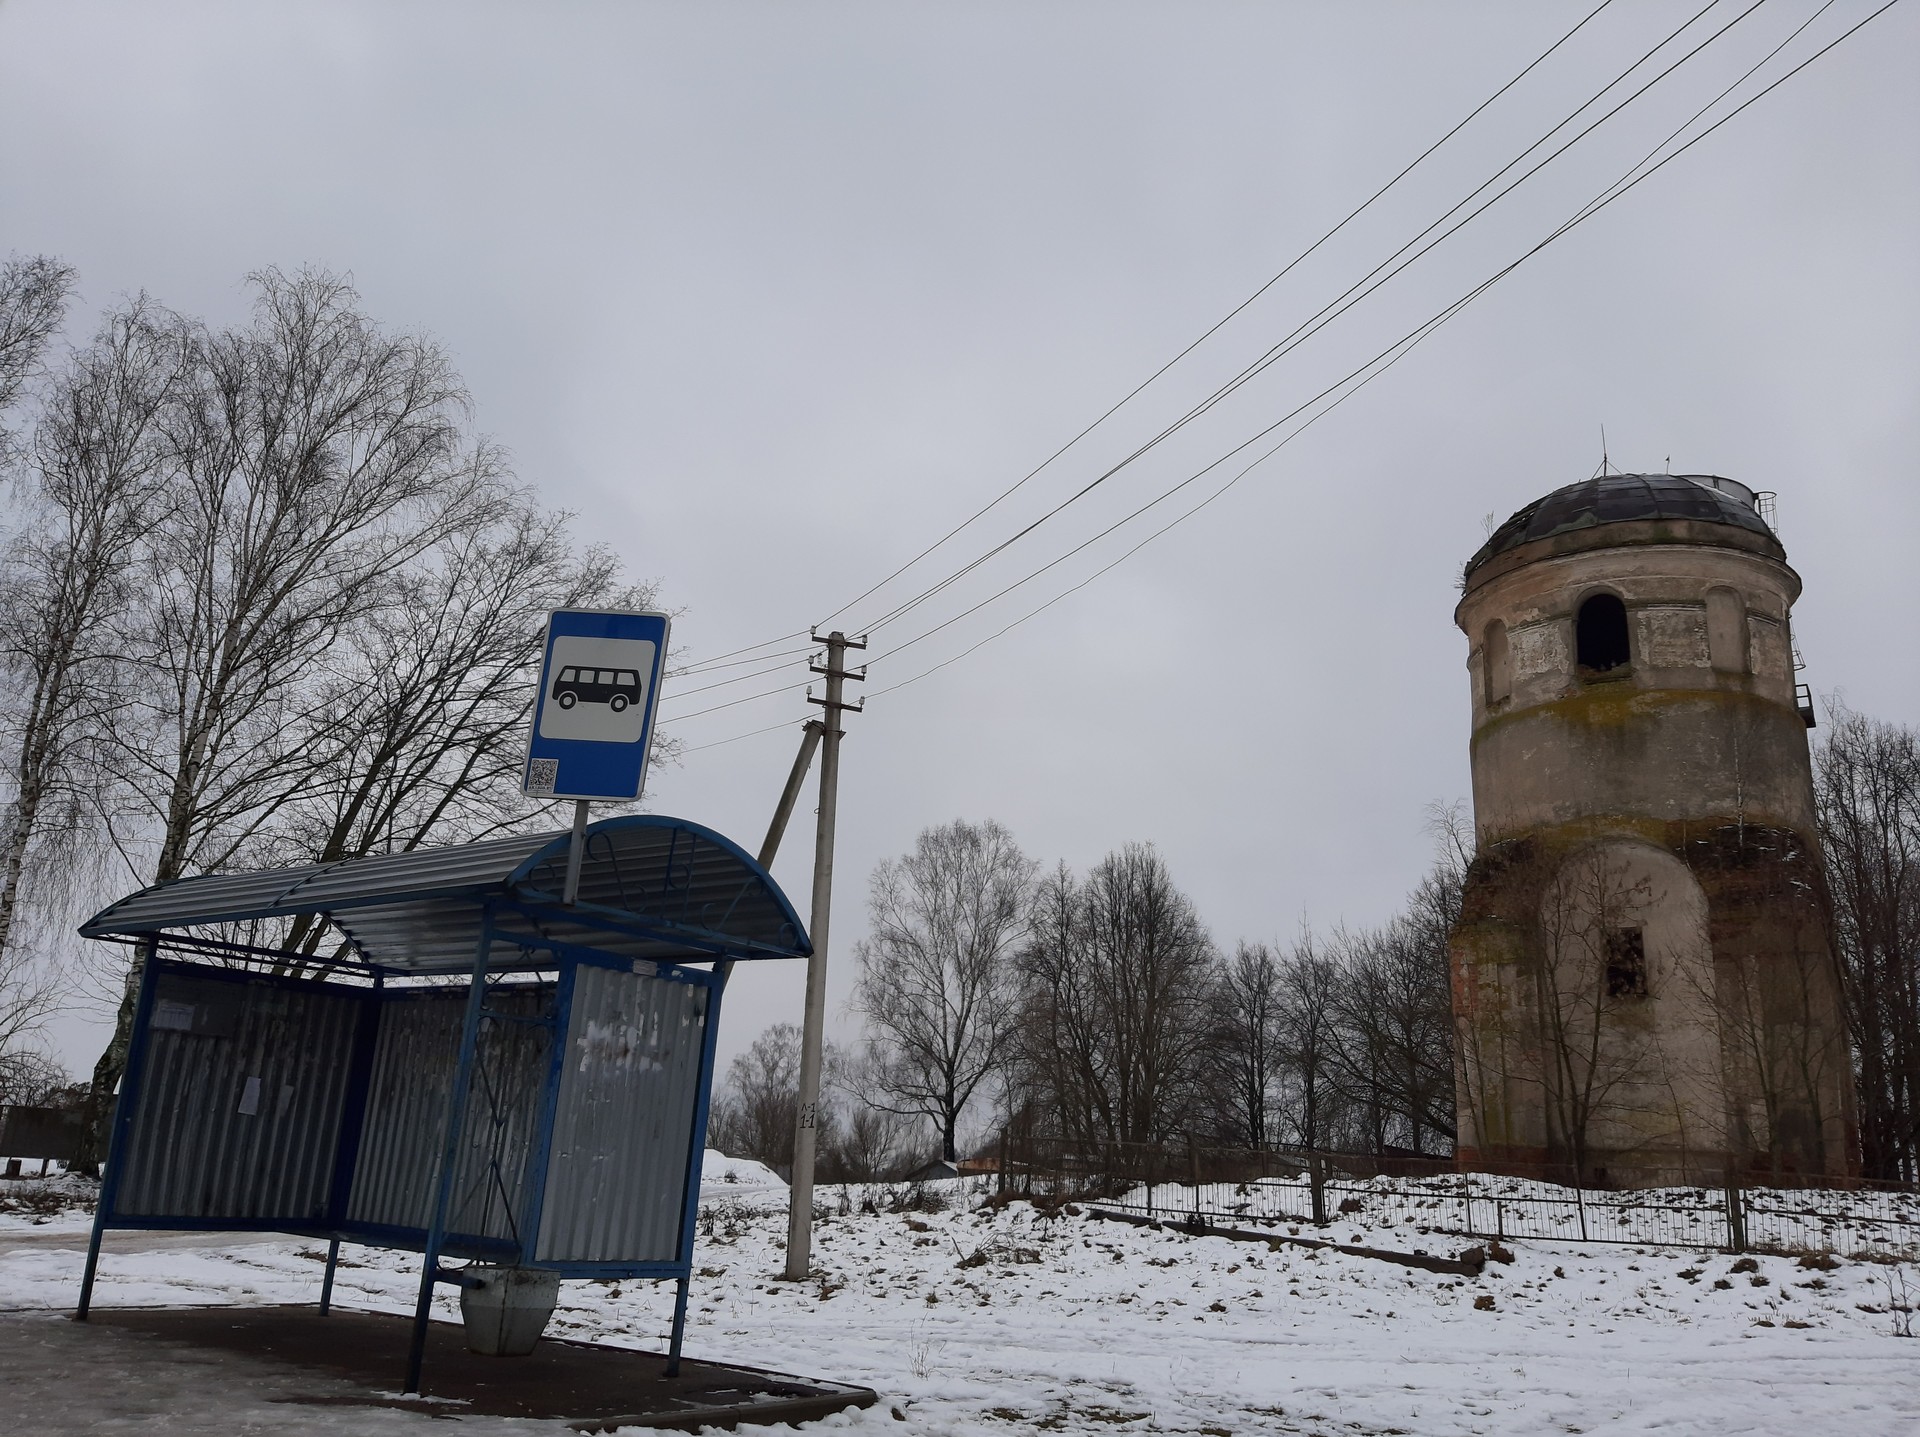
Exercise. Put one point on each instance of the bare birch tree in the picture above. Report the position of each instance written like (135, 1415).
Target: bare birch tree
(937, 981)
(33, 301)
(92, 495)
(310, 458)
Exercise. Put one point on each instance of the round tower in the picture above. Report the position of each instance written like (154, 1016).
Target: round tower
(1644, 985)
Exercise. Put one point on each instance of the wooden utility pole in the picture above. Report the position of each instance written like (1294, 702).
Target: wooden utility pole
(806, 1121)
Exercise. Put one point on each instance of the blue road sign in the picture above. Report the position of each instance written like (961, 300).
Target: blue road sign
(593, 717)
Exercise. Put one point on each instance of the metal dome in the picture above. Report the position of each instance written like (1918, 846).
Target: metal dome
(1628, 498)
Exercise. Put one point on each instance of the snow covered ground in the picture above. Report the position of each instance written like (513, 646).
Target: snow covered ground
(1008, 1321)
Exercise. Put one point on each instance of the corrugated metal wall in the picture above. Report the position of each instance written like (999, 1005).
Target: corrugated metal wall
(238, 1112)
(622, 1130)
(415, 1055)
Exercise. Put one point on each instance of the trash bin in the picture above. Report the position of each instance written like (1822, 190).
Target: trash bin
(505, 1309)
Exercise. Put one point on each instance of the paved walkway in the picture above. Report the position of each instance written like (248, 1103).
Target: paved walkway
(69, 1379)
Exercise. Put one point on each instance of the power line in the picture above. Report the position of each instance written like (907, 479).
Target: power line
(731, 653)
(736, 679)
(751, 733)
(1403, 346)
(1182, 518)
(1334, 309)
(1381, 362)
(709, 665)
(734, 703)
(1231, 314)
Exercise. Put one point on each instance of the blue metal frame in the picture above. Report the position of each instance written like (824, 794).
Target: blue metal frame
(549, 1110)
(696, 1154)
(123, 1110)
(450, 1151)
(494, 968)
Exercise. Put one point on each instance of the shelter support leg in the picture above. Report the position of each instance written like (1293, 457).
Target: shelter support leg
(122, 1120)
(449, 1156)
(93, 1261)
(326, 1283)
(679, 1325)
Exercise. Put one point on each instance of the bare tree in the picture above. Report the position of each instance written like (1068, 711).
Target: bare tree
(868, 1143)
(937, 985)
(1394, 1056)
(66, 585)
(33, 301)
(1589, 977)
(1117, 983)
(1309, 1039)
(28, 1076)
(1250, 1045)
(30, 993)
(419, 729)
(754, 1115)
(1867, 784)
(310, 459)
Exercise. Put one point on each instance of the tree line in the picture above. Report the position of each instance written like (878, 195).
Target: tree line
(1098, 1007)
(266, 597)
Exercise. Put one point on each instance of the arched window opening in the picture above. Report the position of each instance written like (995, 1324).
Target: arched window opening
(1600, 634)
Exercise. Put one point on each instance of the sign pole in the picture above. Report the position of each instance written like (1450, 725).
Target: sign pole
(806, 1121)
(576, 853)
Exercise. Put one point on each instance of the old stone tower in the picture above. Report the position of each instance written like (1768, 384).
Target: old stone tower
(1643, 984)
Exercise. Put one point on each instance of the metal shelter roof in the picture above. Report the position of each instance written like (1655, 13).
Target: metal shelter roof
(650, 887)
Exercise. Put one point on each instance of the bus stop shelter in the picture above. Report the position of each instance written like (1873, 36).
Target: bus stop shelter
(432, 1051)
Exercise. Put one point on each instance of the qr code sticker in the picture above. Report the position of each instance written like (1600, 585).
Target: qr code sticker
(542, 775)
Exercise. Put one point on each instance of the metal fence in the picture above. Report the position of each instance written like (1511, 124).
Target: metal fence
(1293, 1187)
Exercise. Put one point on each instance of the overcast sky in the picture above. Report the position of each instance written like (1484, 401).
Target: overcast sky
(772, 296)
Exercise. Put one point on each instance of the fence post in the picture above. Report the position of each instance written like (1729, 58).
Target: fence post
(1580, 1203)
(1466, 1191)
(1317, 1181)
(1000, 1183)
(1736, 1212)
(1193, 1171)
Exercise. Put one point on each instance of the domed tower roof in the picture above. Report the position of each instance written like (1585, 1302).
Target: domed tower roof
(1676, 504)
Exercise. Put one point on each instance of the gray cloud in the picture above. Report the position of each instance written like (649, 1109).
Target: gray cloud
(773, 295)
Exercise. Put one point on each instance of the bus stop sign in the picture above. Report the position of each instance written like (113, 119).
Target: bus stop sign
(593, 716)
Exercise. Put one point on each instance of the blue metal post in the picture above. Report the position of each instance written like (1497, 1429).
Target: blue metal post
(326, 1283)
(697, 1143)
(542, 1154)
(450, 1152)
(123, 1109)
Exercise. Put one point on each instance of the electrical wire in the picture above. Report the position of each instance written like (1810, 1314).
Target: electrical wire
(1378, 365)
(1613, 192)
(751, 733)
(736, 679)
(1230, 315)
(1350, 298)
(710, 665)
